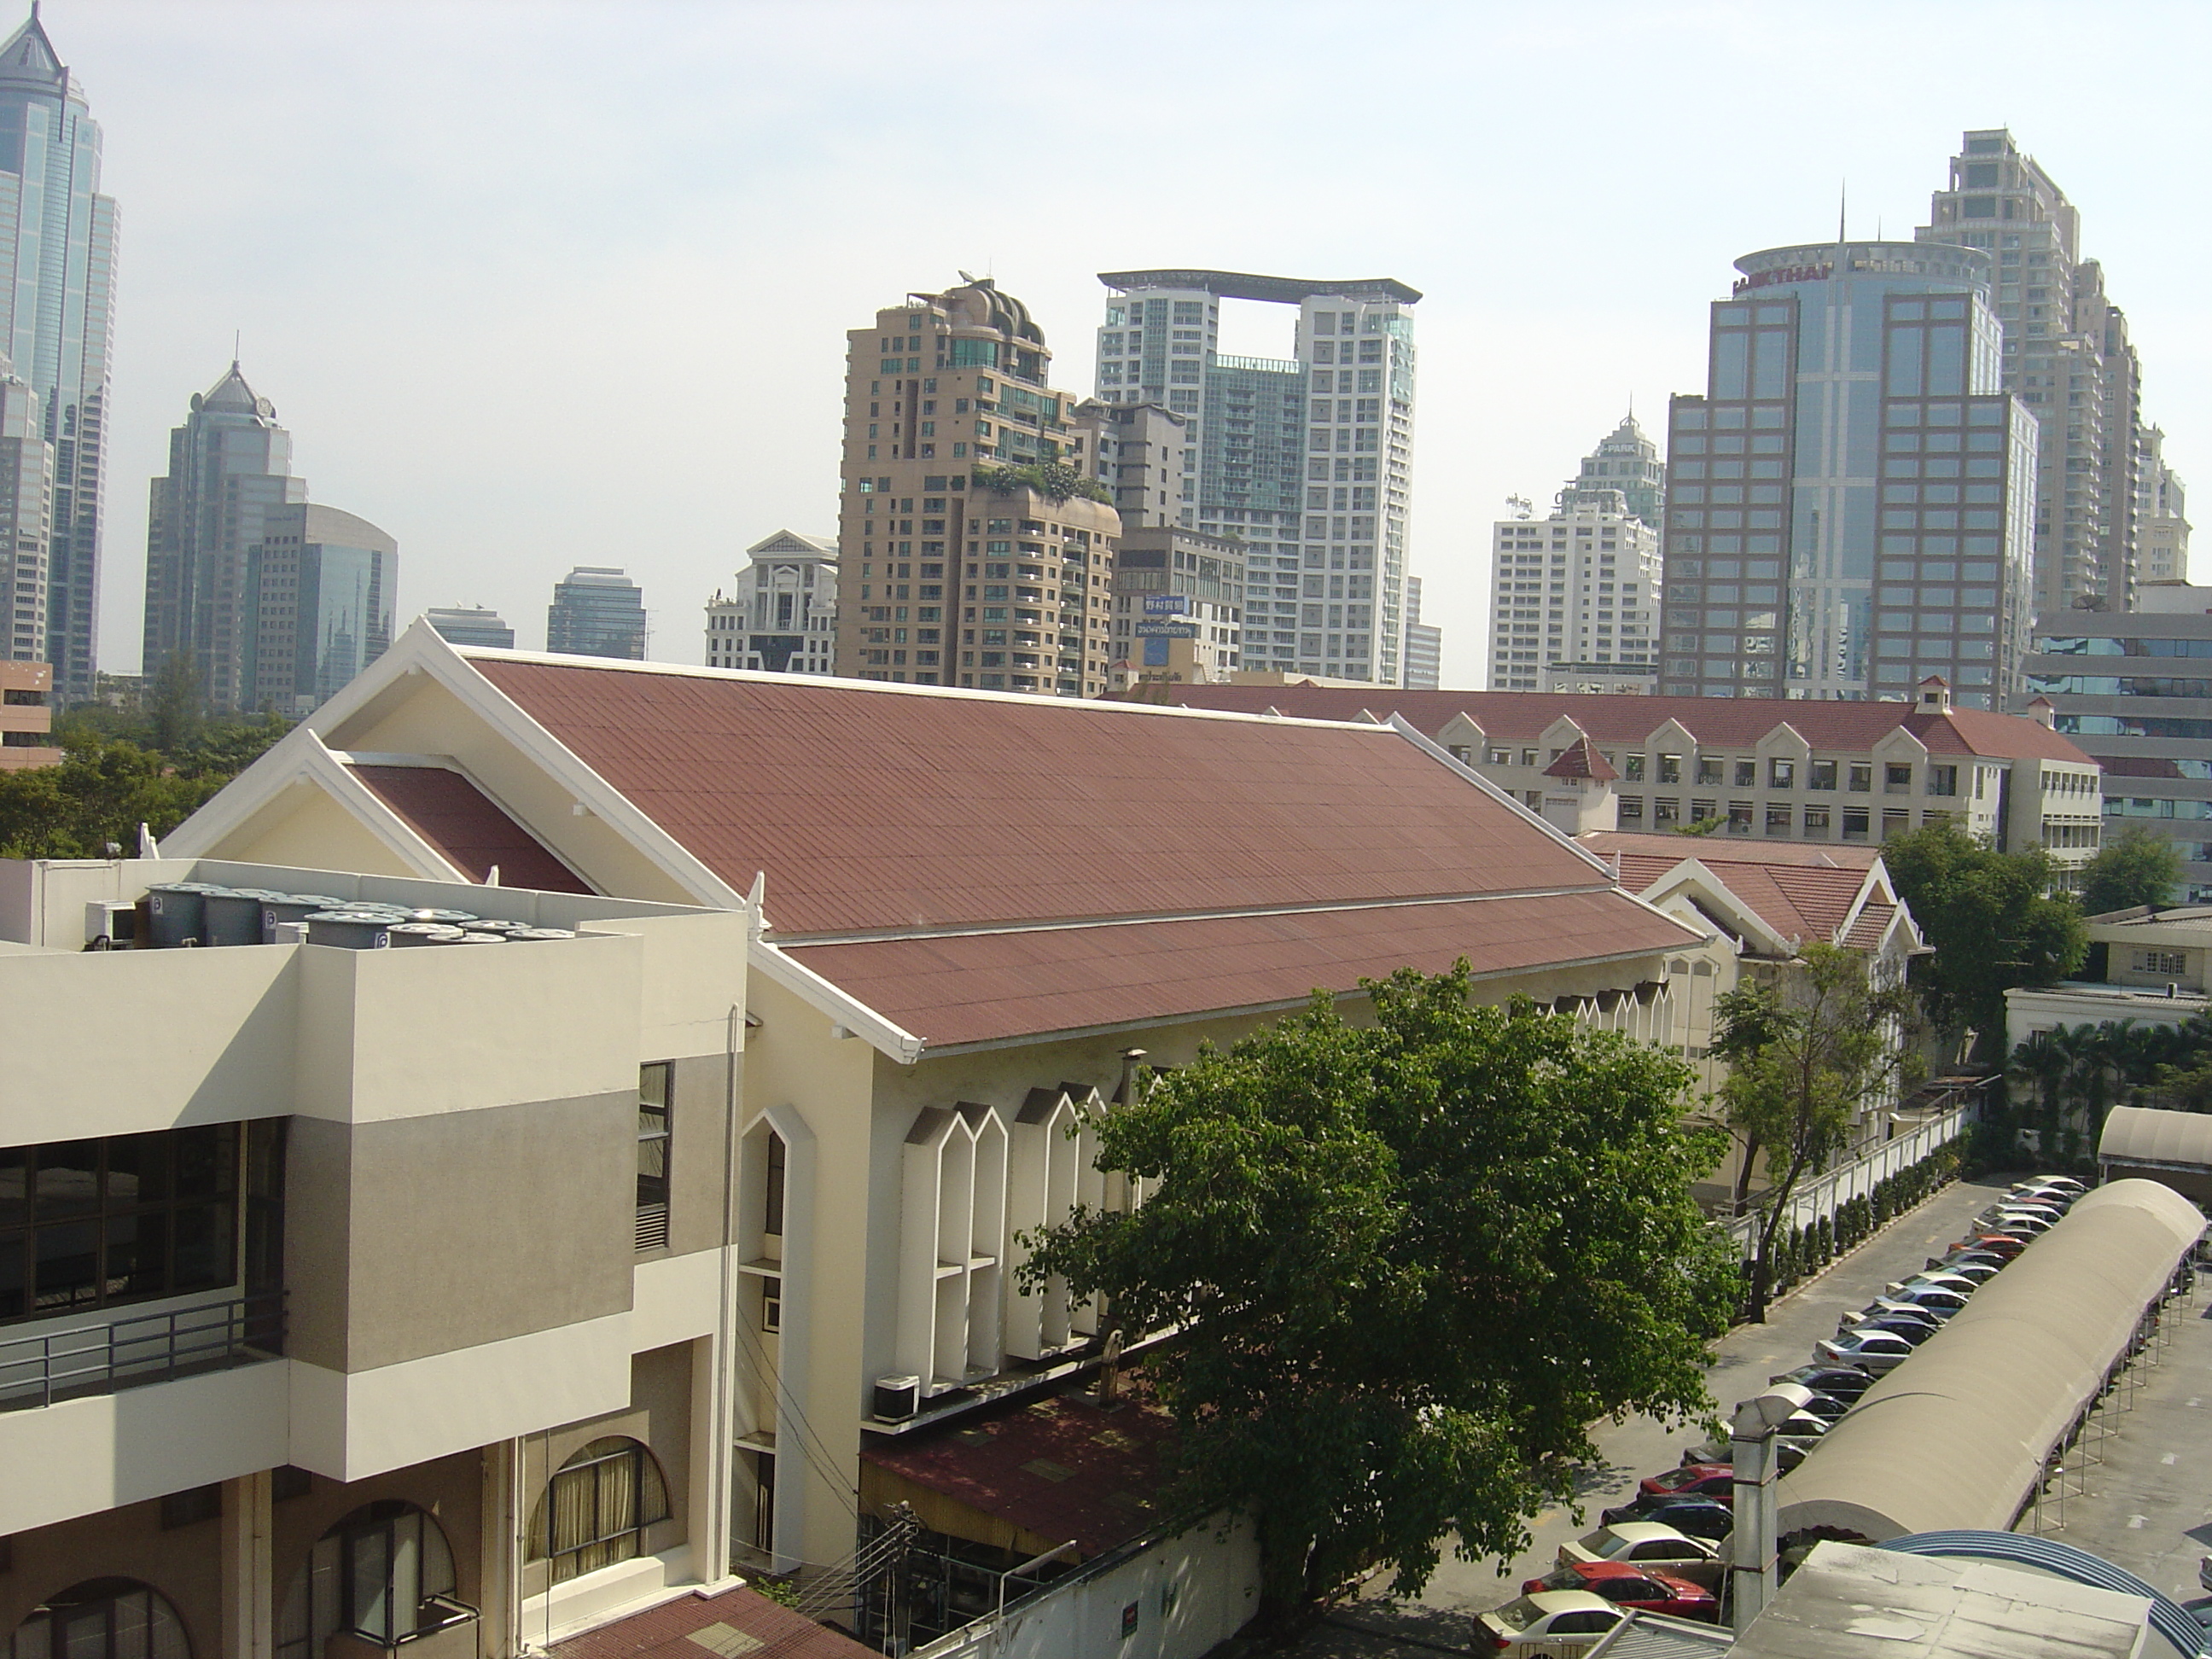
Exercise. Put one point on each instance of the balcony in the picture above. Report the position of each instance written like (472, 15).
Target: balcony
(132, 1352)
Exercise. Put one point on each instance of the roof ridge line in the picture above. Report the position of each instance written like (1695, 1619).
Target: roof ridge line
(1069, 924)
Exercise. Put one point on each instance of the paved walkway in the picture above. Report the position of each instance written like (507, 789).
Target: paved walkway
(1374, 1626)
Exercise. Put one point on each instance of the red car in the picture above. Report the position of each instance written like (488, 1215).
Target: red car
(1627, 1585)
(1713, 1481)
(1997, 1244)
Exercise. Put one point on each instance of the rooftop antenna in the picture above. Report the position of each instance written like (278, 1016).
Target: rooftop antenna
(1842, 209)
(237, 346)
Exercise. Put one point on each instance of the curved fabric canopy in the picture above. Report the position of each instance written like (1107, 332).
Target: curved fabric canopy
(2144, 1135)
(1956, 1435)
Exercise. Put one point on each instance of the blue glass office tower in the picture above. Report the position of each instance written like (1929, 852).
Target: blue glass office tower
(1850, 505)
(56, 308)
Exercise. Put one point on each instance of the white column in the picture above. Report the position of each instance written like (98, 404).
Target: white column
(249, 1611)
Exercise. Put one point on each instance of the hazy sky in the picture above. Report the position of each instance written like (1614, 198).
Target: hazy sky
(547, 284)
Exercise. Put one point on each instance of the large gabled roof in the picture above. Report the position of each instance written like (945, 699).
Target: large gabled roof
(1800, 890)
(1714, 722)
(879, 809)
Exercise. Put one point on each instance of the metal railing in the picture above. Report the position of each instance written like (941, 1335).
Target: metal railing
(145, 1348)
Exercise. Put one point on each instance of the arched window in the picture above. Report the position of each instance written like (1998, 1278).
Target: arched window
(598, 1507)
(102, 1618)
(384, 1573)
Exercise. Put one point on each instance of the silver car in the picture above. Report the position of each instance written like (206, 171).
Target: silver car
(1873, 1350)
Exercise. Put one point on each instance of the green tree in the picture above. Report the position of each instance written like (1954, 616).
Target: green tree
(105, 787)
(175, 701)
(2133, 867)
(1408, 1265)
(1806, 1054)
(1993, 923)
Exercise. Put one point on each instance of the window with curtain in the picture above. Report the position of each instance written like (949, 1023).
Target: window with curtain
(598, 1507)
(384, 1573)
(101, 1618)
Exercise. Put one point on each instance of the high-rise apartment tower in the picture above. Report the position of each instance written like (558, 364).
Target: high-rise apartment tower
(1307, 459)
(2067, 355)
(1424, 644)
(1850, 506)
(58, 246)
(970, 486)
(781, 618)
(1588, 577)
(26, 497)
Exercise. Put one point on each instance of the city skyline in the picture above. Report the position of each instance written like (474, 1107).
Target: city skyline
(364, 249)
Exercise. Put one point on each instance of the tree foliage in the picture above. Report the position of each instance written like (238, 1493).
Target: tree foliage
(1807, 1053)
(1993, 920)
(2133, 867)
(1409, 1266)
(110, 782)
(1055, 480)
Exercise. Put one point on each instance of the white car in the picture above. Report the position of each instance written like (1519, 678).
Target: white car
(1871, 1350)
(1548, 1623)
(1938, 1279)
(1650, 1544)
(2064, 1183)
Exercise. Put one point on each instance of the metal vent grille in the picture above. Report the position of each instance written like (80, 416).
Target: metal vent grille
(651, 1226)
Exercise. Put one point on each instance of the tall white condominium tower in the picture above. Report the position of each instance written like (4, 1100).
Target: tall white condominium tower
(2067, 356)
(1307, 459)
(57, 255)
(2161, 515)
(1588, 576)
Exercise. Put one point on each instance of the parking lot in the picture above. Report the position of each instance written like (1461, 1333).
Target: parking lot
(1375, 1627)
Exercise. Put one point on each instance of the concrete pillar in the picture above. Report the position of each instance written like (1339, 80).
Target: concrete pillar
(249, 1609)
(501, 1544)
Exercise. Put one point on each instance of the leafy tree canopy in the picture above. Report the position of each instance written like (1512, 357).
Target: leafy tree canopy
(111, 780)
(1806, 1054)
(2133, 867)
(1992, 919)
(1410, 1265)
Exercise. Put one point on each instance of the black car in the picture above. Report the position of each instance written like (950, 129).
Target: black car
(1700, 1517)
(1844, 1383)
(1826, 1406)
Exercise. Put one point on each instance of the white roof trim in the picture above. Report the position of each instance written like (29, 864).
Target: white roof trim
(886, 1038)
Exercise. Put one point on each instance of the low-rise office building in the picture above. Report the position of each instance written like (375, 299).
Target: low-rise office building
(356, 1299)
(979, 915)
(1820, 771)
(2124, 686)
(27, 716)
(1178, 607)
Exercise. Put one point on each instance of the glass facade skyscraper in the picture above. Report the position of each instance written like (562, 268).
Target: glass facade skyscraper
(230, 466)
(1851, 504)
(56, 304)
(324, 582)
(597, 611)
(1307, 460)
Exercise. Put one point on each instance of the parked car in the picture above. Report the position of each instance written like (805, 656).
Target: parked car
(1826, 1406)
(1546, 1625)
(1648, 1544)
(1979, 1266)
(1844, 1382)
(1790, 1454)
(1627, 1586)
(1715, 1480)
(1936, 1280)
(2004, 1246)
(1875, 1312)
(1871, 1349)
(2054, 1196)
(2064, 1183)
(1700, 1517)
(2037, 1221)
(1914, 1331)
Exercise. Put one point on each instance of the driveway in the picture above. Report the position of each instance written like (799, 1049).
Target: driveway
(1375, 1627)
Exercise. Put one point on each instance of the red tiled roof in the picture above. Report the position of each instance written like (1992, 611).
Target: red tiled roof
(1874, 921)
(1717, 722)
(1059, 1468)
(1579, 760)
(876, 809)
(973, 987)
(469, 828)
(700, 1627)
(1795, 894)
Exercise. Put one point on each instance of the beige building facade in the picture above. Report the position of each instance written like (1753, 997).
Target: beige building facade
(977, 542)
(938, 999)
(334, 1279)
(27, 716)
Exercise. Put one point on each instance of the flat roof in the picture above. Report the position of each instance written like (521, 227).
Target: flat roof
(1278, 290)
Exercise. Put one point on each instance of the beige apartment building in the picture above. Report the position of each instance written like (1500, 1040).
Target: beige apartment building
(356, 1299)
(27, 716)
(1801, 770)
(946, 980)
(976, 541)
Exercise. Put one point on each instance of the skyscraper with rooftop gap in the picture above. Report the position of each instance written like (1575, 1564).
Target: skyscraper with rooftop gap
(1307, 459)
(56, 304)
